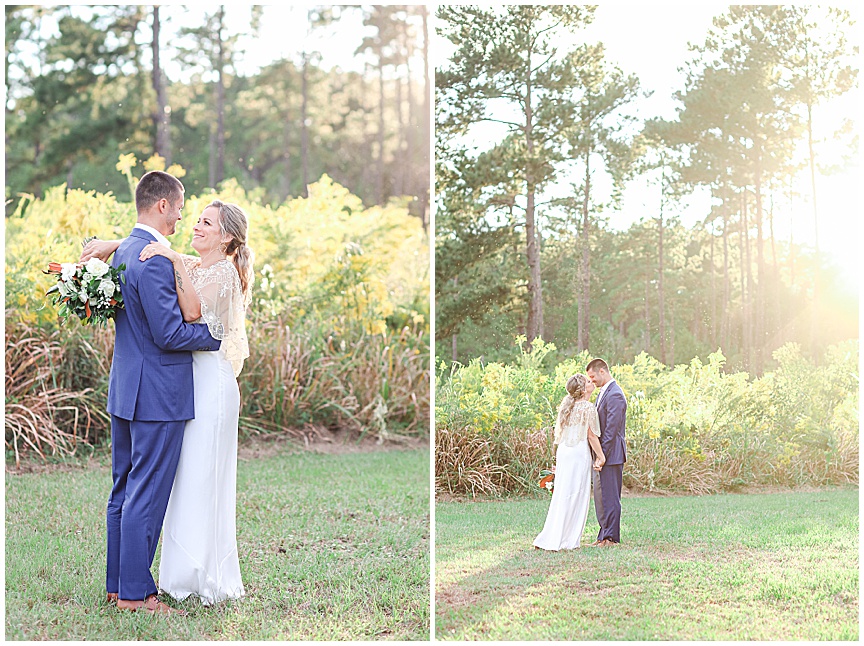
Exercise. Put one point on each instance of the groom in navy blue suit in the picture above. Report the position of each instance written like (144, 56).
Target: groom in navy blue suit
(612, 411)
(149, 396)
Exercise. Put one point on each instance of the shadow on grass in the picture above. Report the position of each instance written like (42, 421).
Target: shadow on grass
(714, 567)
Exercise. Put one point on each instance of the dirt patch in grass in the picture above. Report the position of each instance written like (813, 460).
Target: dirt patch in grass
(312, 439)
(455, 597)
(446, 496)
(322, 440)
(67, 466)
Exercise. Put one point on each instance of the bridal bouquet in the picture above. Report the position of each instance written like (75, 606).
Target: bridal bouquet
(89, 290)
(547, 480)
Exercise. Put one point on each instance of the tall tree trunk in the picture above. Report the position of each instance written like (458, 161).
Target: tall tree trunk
(379, 179)
(743, 279)
(410, 135)
(427, 119)
(791, 235)
(211, 166)
(775, 269)
(304, 125)
(660, 293)
(368, 146)
(646, 336)
(535, 306)
(713, 342)
(725, 320)
(582, 329)
(814, 318)
(399, 167)
(671, 335)
(162, 116)
(759, 336)
(454, 354)
(286, 157)
(747, 268)
(220, 100)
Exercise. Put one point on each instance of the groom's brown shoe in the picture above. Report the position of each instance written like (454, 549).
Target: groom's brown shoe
(111, 598)
(607, 543)
(151, 604)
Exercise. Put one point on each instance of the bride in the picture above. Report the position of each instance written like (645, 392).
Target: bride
(199, 541)
(576, 427)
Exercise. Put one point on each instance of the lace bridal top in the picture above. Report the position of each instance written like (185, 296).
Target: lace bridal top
(223, 306)
(574, 428)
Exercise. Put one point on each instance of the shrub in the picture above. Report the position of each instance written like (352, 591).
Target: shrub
(338, 325)
(690, 428)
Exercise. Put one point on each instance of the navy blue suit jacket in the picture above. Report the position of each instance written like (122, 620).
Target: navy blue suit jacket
(612, 412)
(151, 373)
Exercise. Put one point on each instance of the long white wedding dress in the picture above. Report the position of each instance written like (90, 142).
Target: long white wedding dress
(568, 509)
(199, 538)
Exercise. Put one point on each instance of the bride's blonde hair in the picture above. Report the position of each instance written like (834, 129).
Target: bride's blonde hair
(233, 222)
(576, 387)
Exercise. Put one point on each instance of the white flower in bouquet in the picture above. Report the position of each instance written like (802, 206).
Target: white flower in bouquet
(65, 288)
(67, 271)
(96, 267)
(106, 288)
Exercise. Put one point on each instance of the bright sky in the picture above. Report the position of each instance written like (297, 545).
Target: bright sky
(284, 34)
(651, 40)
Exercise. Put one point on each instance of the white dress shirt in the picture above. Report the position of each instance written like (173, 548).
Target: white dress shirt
(159, 237)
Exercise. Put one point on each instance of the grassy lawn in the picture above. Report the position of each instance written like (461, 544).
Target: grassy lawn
(332, 547)
(781, 566)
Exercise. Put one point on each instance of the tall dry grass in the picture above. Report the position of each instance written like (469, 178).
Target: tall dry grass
(49, 409)
(295, 380)
(476, 464)
(376, 384)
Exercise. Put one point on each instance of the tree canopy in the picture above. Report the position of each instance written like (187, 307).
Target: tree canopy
(742, 132)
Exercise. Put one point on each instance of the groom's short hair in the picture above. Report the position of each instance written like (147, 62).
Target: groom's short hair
(157, 185)
(597, 364)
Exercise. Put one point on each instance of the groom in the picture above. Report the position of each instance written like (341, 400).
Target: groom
(149, 396)
(612, 411)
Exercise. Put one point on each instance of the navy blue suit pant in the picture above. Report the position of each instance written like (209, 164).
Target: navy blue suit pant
(144, 458)
(607, 501)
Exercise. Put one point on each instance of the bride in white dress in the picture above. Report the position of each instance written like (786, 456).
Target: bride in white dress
(199, 538)
(576, 427)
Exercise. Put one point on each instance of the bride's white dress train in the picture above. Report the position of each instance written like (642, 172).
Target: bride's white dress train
(199, 544)
(568, 509)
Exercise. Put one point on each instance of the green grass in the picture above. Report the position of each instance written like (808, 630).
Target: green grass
(332, 547)
(781, 566)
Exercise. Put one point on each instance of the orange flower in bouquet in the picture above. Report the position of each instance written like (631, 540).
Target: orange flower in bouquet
(547, 479)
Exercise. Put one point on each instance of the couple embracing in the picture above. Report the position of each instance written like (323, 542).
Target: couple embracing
(591, 446)
(174, 401)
